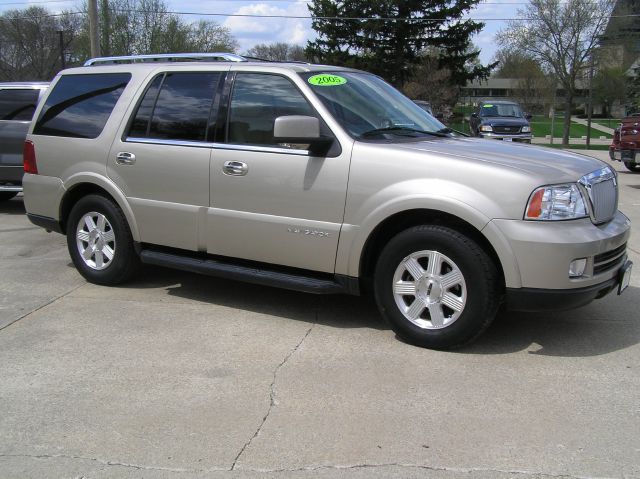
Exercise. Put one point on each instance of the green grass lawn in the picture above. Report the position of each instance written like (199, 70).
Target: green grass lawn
(541, 126)
(608, 122)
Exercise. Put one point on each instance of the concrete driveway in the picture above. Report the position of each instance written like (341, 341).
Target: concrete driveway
(178, 375)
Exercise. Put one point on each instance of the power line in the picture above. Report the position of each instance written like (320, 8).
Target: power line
(308, 17)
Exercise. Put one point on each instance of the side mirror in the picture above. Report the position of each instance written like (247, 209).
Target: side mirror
(474, 115)
(301, 130)
(439, 116)
(528, 116)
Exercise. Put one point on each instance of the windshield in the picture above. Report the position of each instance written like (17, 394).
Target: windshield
(369, 108)
(501, 109)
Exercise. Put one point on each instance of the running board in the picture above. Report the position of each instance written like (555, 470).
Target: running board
(249, 274)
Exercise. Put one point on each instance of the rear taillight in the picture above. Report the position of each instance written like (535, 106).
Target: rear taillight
(29, 158)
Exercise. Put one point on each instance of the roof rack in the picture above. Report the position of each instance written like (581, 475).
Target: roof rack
(166, 57)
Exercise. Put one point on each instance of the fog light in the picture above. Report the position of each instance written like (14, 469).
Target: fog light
(577, 267)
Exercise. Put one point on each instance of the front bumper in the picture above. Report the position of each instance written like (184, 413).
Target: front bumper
(537, 254)
(537, 300)
(522, 137)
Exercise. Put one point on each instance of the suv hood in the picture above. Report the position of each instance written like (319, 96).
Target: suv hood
(549, 165)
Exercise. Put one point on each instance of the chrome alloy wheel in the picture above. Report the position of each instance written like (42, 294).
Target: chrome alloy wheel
(96, 240)
(429, 289)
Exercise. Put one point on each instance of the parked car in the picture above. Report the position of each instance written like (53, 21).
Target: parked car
(625, 146)
(501, 120)
(425, 105)
(18, 102)
(319, 179)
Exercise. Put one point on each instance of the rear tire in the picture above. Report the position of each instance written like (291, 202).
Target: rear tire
(437, 288)
(100, 242)
(632, 166)
(7, 195)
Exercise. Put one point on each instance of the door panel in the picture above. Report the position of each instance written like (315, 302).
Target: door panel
(163, 164)
(273, 202)
(287, 209)
(166, 186)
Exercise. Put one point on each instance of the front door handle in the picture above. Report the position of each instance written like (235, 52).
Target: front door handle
(125, 158)
(235, 168)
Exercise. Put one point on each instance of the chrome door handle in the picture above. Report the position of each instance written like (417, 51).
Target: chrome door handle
(125, 158)
(235, 168)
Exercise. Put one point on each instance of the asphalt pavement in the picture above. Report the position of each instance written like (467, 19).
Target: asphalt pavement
(183, 376)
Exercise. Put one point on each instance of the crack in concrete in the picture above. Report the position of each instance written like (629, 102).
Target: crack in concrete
(57, 298)
(272, 395)
(112, 463)
(455, 470)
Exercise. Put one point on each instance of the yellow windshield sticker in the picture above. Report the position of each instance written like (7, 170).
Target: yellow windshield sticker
(487, 106)
(327, 80)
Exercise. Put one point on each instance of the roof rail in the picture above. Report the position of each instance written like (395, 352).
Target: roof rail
(166, 57)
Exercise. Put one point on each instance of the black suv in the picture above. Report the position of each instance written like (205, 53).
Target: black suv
(501, 120)
(18, 102)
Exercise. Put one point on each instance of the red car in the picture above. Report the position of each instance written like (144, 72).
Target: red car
(626, 143)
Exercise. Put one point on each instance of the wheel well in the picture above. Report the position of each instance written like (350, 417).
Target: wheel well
(74, 195)
(407, 219)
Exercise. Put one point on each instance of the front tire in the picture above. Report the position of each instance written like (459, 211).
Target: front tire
(100, 242)
(437, 288)
(632, 166)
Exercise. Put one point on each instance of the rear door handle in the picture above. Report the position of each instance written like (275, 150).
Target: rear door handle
(125, 158)
(235, 168)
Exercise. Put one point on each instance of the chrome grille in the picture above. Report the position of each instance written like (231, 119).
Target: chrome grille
(602, 189)
(506, 129)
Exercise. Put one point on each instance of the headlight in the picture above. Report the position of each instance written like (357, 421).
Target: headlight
(558, 202)
(486, 128)
(526, 129)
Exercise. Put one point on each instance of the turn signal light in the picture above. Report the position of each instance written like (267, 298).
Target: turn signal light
(29, 158)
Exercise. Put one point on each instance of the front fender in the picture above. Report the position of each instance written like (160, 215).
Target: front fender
(403, 197)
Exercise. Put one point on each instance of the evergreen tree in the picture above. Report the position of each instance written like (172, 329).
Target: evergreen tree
(387, 36)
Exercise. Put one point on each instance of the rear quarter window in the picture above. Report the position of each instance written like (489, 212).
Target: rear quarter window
(18, 104)
(80, 105)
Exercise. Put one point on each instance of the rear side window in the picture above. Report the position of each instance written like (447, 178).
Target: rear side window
(80, 105)
(18, 104)
(177, 106)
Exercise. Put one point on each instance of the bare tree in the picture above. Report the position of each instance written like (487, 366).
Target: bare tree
(561, 36)
(279, 51)
(29, 46)
(433, 83)
(147, 26)
(533, 86)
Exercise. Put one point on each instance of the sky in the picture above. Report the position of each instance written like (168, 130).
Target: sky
(251, 31)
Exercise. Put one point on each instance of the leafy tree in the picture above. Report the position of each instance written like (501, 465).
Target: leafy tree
(561, 36)
(29, 43)
(609, 86)
(279, 51)
(633, 91)
(388, 37)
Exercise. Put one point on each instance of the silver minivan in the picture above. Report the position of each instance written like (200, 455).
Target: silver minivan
(319, 179)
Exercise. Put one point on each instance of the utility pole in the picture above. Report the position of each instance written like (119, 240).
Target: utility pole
(590, 103)
(553, 110)
(61, 37)
(94, 33)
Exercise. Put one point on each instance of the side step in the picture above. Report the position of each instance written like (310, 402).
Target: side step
(249, 274)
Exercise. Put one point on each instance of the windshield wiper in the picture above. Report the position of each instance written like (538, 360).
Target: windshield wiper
(400, 130)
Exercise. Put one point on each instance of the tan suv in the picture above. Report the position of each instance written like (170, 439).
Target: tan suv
(319, 179)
